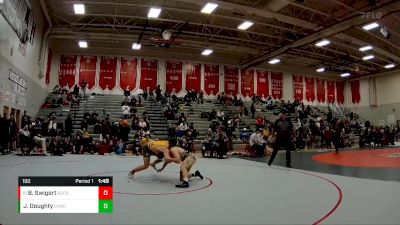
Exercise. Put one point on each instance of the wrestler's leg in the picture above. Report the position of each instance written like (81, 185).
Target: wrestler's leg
(146, 162)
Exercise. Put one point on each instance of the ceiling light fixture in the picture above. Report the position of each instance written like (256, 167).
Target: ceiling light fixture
(371, 26)
(209, 8)
(345, 74)
(274, 61)
(320, 70)
(154, 13)
(388, 66)
(365, 48)
(79, 9)
(245, 25)
(136, 46)
(322, 43)
(207, 51)
(83, 44)
(368, 57)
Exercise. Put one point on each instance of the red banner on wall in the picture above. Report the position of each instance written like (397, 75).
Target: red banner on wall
(355, 91)
(193, 76)
(67, 71)
(87, 70)
(277, 85)
(231, 80)
(320, 90)
(298, 87)
(174, 76)
(48, 70)
(247, 82)
(108, 73)
(310, 88)
(330, 86)
(262, 84)
(340, 91)
(128, 73)
(211, 79)
(149, 74)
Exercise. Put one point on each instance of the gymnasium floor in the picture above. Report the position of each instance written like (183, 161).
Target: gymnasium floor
(235, 191)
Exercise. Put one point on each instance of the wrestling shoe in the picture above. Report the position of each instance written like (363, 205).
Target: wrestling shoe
(182, 185)
(198, 174)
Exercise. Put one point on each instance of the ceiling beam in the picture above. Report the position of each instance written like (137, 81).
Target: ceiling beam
(357, 20)
(255, 11)
(214, 16)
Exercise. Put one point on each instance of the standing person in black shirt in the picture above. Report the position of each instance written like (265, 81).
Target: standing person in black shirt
(283, 129)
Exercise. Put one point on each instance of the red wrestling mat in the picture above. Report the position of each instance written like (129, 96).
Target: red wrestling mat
(388, 158)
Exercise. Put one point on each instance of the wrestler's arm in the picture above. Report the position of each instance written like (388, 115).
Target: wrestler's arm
(163, 167)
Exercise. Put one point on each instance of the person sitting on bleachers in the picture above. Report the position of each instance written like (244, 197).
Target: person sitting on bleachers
(104, 146)
(168, 112)
(257, 142)
(182, 118)
(222, 143)
(125, 111)
(93, 117)
(213, 115)
(220, 115)
(270, 103)
(142, 125)
(52, 127)
(66, 145)
(54, 146)
(118, 147)
(193, 130)
(140, 101)
(87, 142)
(183, 126)
(208, 143)
(133, 101)
(244, 135)
(260, 123)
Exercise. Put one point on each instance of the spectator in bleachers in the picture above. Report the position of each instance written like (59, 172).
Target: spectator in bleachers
(127, 91)
(67, 145)
(208, 143)
(182, 118)
(260, 122)
(104, 147)
(143, 125)
(213, 115)
(133, 101)
(68, 125)
(192, 129)
(55, 146)
(253, 110)
(168, 112)
(76, 91)
(200, 99)
(86, 141)
(52, 127)
(222, 143)
(244, 134)
(257, 142)
(25, 119)
(124, 130)
(125, 111)
(84, 86)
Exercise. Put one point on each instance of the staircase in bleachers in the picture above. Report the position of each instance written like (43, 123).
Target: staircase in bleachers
(62, 112)
(112, 105)
(158, 123)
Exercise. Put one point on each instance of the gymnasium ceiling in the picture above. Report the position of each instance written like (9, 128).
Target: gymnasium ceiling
(284, 29)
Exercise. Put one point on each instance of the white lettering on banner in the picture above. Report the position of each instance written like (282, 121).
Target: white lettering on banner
(231, 86)
(211, 86)
(263, 80)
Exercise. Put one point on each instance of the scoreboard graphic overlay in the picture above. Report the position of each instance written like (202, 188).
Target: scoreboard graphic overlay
(65, 195)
